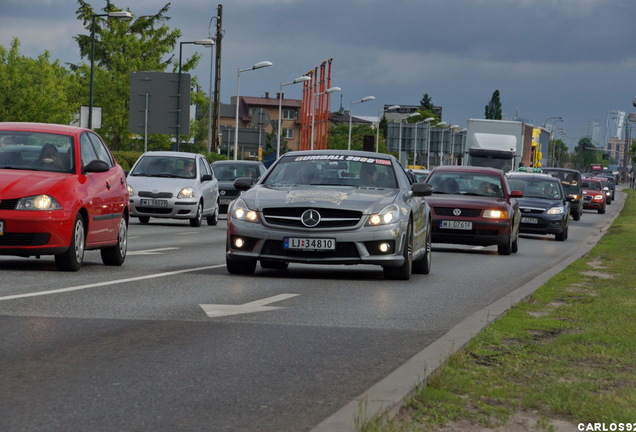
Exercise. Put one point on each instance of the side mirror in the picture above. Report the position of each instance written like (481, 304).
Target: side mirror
(243, 183)
(422, 189)
(96, 166)
(516, 194)
(206, 177)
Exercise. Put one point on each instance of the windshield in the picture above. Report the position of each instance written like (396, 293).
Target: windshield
(446, 182)
(165, 166)
(591, 185)
(36, 151)
(230, 172)
(335, 170)
(537, 188)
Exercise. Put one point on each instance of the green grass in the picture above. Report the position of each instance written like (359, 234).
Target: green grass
(568, 352)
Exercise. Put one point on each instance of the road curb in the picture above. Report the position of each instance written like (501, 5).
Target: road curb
(388, 395)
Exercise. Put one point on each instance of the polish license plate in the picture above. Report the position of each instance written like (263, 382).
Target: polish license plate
(154, 203)
(1, 227)
(458, 225)
(225, 200)
(309, 244)
(530, 220)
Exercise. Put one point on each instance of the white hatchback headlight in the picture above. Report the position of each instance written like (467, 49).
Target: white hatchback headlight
(388, 215)
(38, 202)
(240, 211)
(187, 192)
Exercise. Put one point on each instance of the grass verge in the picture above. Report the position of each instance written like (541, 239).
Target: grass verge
(567, 353)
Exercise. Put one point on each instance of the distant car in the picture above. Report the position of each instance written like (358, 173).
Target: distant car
(173, 185)
(545, 207)
(571, 181)
(420, 174)
(331, 207)
(610, 183)
(474, 206)
(227, 171)
(594, 197)
(61, 193)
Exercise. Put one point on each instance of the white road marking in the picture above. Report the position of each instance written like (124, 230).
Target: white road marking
(100, 284)
(219, 310)
(151, 251)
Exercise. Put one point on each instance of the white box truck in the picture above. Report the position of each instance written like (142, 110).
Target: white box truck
(503, 144)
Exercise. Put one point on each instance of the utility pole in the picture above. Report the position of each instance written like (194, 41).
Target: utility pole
(216, 109)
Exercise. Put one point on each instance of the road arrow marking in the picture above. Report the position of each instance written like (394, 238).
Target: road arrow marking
(219, 310)
(151, 251)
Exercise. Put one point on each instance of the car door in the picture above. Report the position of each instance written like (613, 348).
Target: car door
(209, 188)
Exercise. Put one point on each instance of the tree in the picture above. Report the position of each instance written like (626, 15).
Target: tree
(426, 103)
(34, 90)
(586, 154)
(122, 47)
(493, 109)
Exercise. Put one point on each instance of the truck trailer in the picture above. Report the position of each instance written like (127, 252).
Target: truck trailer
(503, 144)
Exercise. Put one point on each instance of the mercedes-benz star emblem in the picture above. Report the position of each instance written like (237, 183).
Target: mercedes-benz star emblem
(310, 218)
(457, 212)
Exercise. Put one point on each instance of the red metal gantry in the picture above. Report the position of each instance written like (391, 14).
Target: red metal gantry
(315, 108)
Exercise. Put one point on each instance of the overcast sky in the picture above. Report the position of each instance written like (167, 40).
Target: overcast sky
(570, 58)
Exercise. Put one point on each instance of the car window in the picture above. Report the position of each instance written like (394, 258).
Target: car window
(230, 172)
(482, 184)
(88, 151)
(164, 166)
(536, 188)
(204, 167)
(100, 149)
(333, 170)
(36, 151)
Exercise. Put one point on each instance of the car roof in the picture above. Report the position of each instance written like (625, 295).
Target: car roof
(169, 153)
(467, 168)
(537, 176)
(560, 169)
(237, 162)
(41, 127)
(340, 152)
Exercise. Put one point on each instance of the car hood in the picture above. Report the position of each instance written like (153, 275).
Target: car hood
(159, 184)
(19, 183)
(366, 200)
(592, 191)
(465, 201)
(539, 202)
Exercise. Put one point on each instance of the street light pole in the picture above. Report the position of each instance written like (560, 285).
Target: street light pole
(280, 108)
(118, 15)
(364, 99)
(427, 121)
(441, 142)
(313, 109)
(206, 43)
(415, 114)
(238, 86)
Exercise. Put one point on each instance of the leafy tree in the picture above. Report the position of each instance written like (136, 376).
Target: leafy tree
(558, 153)
(586, 154)
(339, 137)
(121, 47)
(34, 90)
(426, 103)
(493, 109)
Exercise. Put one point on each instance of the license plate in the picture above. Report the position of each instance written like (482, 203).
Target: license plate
(530, 220)
(154, 203)
(309, 244)
(458, 225)
(1, 227)
(225, 200)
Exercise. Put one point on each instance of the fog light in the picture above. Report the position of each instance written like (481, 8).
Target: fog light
(239, 242)
(384, 247)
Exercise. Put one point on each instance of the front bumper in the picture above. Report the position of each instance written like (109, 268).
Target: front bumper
(482, 233)
(545, 224)
(358, 245)
(174, 209)
(28, 233)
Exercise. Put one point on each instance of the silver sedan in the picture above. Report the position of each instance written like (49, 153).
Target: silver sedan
(173, 185)
(331, 207)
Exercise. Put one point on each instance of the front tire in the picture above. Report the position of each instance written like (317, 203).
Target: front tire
(423, 265)
(213, 219)
(198, 218)
(116, 255)
(73, 258)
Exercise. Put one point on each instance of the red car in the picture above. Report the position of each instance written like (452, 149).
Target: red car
(61, 193)
(594, 197)
(474, 206)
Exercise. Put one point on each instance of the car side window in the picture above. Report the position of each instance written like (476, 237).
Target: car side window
(203, 167)
(100, 148)
(88, 152)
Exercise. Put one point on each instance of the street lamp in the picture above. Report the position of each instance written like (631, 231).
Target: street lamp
(258, 65)
(415, 114)
(364, 99)
(313, 109)
(441, 142)
(427, 121)
(377, 131)
(280, 107)
(118, 15)
(450, 147)
(204, 42)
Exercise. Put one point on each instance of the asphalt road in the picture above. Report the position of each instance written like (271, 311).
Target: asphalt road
(172, 342)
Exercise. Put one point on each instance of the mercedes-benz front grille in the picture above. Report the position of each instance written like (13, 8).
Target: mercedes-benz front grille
(329, 218)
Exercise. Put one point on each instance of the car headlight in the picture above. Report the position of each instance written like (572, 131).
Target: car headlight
(555, 210)
(388, 215)
(131, 191)
(187, 192)
(599, 197)
(495, 214)
(240, 211)
(38, 202)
